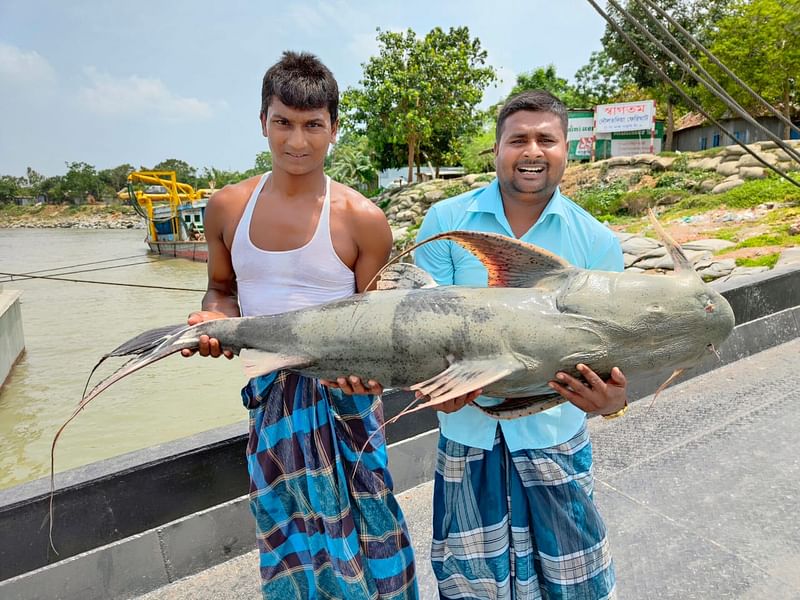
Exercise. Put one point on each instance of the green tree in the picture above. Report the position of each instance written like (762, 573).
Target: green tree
(477, 154)
(600, 80)
(219, 177)
(10, 187)
(351, 164)
(546, 78)
(759, 42)
(263, 162)
(698, 17)
(184, 172)
(116, 178)
(419, 94)
(80, 182)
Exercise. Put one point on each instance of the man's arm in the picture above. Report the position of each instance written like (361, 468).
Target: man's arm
(220, 299)
(373, 238)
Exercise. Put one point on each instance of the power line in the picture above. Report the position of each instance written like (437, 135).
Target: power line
(134, 285)
(29, 275)
(667, 79)
(93, 262)
(717, 62)
(710, 83)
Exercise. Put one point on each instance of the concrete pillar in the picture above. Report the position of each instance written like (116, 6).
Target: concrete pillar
(12, 342)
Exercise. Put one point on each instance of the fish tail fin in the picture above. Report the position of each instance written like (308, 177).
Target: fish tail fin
(146, 348)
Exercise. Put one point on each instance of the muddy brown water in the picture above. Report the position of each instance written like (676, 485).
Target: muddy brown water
(69, 326)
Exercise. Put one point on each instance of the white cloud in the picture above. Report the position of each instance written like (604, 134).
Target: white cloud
(136, 96)
(18, 67)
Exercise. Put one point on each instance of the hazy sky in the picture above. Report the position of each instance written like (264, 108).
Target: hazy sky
(109, 82)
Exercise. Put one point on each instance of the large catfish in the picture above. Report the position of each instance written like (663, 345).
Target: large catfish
(539, 315)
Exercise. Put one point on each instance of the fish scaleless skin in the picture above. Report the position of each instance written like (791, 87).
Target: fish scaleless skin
(539, 316)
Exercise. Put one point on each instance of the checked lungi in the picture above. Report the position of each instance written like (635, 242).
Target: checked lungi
(519, 525)
(326, 527)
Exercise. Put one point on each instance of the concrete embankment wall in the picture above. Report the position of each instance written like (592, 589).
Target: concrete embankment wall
(12, 341)
(136, 522)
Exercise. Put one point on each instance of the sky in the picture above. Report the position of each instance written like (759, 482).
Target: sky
(108, 82)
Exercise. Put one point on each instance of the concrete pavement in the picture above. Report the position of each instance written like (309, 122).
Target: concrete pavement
(700, 491)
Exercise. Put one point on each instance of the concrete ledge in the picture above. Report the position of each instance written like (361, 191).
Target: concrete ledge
(146, 561)
(12, 339)
(188, 495)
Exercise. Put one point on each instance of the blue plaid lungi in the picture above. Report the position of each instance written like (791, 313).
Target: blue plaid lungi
(326, 528)
(519, 525)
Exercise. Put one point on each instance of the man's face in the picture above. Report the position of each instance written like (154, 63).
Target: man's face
(298, 139)
(531, 155)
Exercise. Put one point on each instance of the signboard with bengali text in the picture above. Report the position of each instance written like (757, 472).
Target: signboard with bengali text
(580, 134)
(624, 116)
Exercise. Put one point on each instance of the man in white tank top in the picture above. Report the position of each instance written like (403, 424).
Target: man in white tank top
(280, 241)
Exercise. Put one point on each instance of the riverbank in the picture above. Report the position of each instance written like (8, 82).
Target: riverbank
(64, 216)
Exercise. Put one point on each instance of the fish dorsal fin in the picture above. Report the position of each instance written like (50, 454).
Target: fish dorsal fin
(404, 276)
(510, 262)
(680, 261)
(258, 362)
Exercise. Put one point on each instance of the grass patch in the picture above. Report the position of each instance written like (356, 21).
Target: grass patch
(602, 199)
(768, 260)
(748, 195)
(454, 189)
(708, 152)
(12, 210)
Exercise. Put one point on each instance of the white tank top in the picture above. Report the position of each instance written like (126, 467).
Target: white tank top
(271, 282)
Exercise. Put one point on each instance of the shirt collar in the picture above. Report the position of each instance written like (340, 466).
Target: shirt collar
(489, 200)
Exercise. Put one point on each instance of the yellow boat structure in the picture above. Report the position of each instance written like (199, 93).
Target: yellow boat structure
(173, 212)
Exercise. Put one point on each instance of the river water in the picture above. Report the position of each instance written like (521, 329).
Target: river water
(69, 326)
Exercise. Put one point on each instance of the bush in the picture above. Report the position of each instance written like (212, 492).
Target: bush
(455, 188)
(604, 199)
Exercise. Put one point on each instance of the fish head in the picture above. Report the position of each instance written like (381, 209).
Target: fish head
(685, 318)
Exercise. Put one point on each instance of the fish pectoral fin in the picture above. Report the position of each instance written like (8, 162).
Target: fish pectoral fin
(465, 376)
(258, 362)
(404, 276)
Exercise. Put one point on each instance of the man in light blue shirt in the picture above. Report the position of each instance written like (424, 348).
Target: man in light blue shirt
(513, 509)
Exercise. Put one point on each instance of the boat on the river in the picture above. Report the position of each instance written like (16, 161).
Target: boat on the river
(173, 212)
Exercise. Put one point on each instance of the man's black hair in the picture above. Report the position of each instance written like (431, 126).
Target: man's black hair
(534, 101)
(301, 81)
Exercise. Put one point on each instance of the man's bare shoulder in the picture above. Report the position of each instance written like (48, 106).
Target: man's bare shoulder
(233, 196)
(360, 208)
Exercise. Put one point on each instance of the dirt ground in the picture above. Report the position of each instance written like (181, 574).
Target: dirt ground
(708, 224)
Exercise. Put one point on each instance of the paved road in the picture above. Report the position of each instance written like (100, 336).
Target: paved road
(700, 491)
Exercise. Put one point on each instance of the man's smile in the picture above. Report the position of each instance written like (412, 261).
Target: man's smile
(531, 169)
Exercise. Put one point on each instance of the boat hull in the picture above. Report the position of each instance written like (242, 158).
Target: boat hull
(192, 250)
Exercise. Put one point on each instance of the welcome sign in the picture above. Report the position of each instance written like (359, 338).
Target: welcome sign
(624, 116)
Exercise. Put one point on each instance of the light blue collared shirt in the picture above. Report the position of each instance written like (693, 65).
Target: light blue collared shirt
(563, 228)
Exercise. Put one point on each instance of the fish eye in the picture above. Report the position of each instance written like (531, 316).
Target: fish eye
(655, 308)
